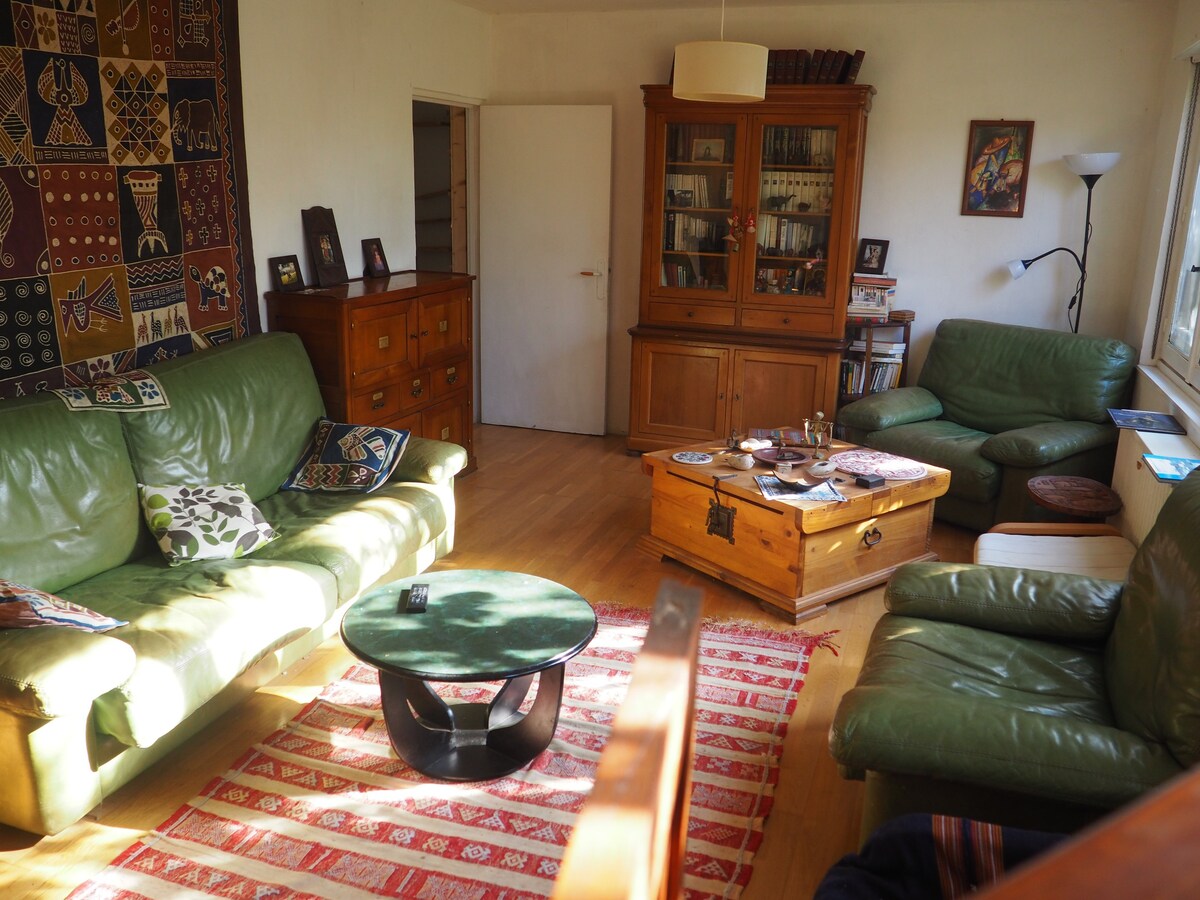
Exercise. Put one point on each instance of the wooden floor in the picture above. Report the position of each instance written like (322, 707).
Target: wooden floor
(569, 508)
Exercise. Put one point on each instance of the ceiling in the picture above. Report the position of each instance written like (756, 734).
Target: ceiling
(566, 6)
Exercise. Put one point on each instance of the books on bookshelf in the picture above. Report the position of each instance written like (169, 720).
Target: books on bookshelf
(880, 373)
(1172, 469)
(826, 66)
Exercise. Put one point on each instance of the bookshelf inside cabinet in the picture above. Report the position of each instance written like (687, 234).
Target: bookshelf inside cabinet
(874, 362)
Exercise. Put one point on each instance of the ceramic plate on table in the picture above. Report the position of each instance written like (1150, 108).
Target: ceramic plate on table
(772, 455)
(875, 462)
(692, 457)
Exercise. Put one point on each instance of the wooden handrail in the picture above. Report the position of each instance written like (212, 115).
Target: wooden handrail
(1147, 849)
(628, 842)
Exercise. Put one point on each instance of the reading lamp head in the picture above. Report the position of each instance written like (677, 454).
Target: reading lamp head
(1017, 267)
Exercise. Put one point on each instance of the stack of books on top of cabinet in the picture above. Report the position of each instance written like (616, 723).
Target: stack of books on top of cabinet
(871, 298)
(814, 66)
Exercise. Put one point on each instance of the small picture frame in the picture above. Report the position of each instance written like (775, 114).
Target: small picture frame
(997, 168)
(872, 256)
(324, 246)
(708, 150)
(375, 264)
(285, 273)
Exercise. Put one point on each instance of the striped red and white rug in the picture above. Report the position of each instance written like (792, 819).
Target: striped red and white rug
(323, 808)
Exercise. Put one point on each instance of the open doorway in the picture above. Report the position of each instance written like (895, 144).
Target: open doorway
(440, 184)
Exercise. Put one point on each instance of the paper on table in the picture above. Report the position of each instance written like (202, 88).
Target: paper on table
(774, 489)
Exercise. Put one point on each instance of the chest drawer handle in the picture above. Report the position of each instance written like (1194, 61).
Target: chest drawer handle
(451, 379)
(872, 537)
(787, 320)
(691, 314)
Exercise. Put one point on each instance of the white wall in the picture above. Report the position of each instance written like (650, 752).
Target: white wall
(327, 94)
(1087, 72)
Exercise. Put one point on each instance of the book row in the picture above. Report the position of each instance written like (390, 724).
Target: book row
(814, 66)
(881, 374)
(796, 145)
(693, 233)
(790, 236)
(796, 191)
(686, 190)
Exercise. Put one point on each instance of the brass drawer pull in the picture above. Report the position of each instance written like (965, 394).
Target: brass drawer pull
(378, 401)
(872, 537)
(418, 388)
(452, 379)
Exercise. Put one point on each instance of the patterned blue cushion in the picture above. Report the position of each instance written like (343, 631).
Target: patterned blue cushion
(347, 458)
(26, 607)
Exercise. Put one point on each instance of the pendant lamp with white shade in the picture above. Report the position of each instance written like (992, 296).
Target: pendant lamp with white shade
(720, 71)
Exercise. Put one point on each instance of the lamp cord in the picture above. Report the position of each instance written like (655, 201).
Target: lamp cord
(722, 19)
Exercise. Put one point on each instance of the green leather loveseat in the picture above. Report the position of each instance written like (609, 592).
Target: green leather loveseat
(996, 405)
(1028, 698)
(81, 713)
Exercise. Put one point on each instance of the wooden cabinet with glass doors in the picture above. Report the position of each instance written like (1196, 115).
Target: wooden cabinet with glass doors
(749, 234)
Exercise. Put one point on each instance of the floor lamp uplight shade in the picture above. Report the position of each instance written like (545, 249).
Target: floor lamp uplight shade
(1089, 167)
(720, 71)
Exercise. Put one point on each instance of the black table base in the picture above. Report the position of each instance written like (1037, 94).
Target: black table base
(470, 741)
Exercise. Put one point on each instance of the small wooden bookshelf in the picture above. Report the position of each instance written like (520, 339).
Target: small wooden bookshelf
(871, 363)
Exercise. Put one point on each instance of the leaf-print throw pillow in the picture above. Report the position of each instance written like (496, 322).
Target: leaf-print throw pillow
(215, 521)
(347, 458)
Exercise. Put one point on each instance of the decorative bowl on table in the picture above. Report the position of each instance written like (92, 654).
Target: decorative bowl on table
(773, 455)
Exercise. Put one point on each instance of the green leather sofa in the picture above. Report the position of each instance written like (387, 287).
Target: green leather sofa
(81, 713)
(1027, 698)
(996, 405)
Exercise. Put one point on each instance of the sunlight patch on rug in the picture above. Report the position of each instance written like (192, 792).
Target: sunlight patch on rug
(323, 808)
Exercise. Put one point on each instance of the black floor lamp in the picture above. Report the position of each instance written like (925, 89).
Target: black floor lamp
(1089, 167)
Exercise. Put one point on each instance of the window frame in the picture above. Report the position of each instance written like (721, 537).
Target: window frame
(1184, 223)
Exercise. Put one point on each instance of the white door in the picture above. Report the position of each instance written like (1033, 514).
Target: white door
(544, 199)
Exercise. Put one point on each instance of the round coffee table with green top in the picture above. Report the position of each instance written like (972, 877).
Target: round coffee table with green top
(478, 626)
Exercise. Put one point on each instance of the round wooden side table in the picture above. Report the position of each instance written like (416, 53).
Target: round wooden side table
(1072, 495)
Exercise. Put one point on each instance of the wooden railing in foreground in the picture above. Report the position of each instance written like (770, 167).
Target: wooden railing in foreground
(628, 841)
(1145, 850)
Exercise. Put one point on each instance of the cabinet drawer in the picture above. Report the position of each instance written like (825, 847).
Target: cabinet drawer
(450, 378)
(847, 552)
(442, 327)
(382, 344)
(447, 421)
(690, 314)
(390, 400)
(788, 320)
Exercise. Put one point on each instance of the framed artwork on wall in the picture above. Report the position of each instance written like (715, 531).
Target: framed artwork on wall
(997, 168)
(324, 246)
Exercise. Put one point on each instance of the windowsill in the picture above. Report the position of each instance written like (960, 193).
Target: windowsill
(1182, 404)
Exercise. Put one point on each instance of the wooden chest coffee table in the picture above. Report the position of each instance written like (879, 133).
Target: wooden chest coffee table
(795, 557)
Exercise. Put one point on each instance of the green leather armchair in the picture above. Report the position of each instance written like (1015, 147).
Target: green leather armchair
(997, 404)
(1027, 698)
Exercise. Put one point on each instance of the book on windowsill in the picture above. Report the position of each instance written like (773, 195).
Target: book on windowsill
(1146, 420)
(1172, 469)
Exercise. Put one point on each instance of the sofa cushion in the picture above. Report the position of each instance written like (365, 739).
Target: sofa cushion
(215, 521)
(995, 377)
(68, 497)
(347, 458)
(193, 629)
(26, 607)
(357, 537)
(240, 413)
(951, 446)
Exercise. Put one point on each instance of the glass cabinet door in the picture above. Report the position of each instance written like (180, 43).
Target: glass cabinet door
(794, 193)
(697, 203)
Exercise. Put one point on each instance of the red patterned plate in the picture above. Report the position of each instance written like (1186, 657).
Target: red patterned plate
(875, 462)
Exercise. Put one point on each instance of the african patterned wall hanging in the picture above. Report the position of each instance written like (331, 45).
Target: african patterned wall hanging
(124, 232)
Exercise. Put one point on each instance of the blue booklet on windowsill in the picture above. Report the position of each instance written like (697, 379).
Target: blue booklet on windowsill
(1172, 469)
(1146, 420)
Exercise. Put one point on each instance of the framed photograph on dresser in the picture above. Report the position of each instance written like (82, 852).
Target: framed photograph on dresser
(324, 246)
(375, 264)
(285, 273)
